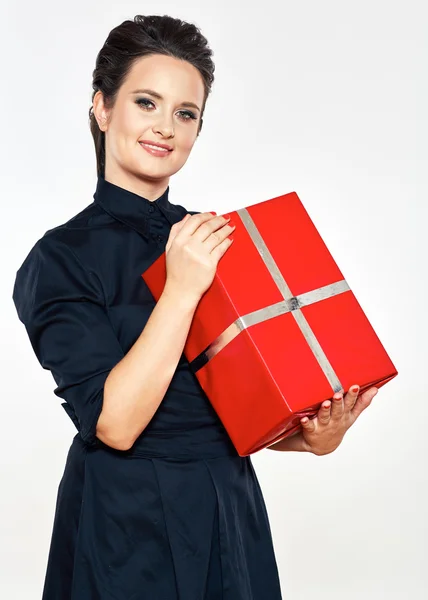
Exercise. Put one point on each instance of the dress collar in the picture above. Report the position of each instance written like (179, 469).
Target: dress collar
(135, 210)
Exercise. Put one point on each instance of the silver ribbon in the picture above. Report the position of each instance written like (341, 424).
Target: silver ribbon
(291, 304)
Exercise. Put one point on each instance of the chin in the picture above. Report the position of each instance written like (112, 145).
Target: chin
(151, 174)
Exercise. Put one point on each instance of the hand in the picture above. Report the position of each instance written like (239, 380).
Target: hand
(194, 248)
(324, 433)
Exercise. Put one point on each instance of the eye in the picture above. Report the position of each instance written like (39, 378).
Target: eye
(185, 115)
(188, 114)
(142, 102)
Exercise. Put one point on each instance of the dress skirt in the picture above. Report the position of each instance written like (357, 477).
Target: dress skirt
(152, 524)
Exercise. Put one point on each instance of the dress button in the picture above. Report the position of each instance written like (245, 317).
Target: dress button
(151, 208)
(160, 238)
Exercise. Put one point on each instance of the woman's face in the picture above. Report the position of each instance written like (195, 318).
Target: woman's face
(169, 116)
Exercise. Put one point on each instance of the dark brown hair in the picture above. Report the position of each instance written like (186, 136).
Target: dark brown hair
(144, 36)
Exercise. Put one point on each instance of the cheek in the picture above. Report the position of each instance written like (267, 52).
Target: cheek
(188, 139)
(131, 123)
(131, 126)
(124, 133)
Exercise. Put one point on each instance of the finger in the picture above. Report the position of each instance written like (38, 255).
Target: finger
(351, 397)
(190, 225)
(221, 249)
(217, 237)
(363, 401)
(337, 408)
(178, 226)
(175, 229)
(214, 225)
(308, 424)
(324, 412)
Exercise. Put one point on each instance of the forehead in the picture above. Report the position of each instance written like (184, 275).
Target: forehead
(167, 75)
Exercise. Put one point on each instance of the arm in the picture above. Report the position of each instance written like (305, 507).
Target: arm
(108, 394)
(62, 305)
(136, 386)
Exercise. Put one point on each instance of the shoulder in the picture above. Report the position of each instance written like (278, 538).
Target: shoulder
(82, 226)
(67, 242)
(53, 269)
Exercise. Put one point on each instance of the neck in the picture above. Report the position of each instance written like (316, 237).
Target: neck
(148, 188)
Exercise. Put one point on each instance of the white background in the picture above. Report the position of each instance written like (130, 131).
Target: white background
(328, 99)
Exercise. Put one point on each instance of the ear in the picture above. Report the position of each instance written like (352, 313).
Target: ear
(100, 112)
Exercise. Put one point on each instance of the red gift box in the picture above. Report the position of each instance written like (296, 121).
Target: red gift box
(279, 331)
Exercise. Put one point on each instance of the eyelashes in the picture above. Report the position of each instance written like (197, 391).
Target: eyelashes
(186, 115)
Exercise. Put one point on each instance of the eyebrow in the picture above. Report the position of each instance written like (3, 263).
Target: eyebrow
(159, 97)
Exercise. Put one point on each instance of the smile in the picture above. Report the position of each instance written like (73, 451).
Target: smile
(155, 150)
(155, 147)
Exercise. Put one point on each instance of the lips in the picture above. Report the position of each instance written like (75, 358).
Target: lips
(155, 145)
(155, 150)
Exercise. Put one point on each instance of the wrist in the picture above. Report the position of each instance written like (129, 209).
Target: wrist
(184, 299)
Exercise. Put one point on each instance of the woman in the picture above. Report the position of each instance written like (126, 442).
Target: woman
(154, 503)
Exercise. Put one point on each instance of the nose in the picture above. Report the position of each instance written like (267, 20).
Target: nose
(165, 128)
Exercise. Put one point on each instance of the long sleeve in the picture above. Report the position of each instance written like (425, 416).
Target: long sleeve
(62, 307)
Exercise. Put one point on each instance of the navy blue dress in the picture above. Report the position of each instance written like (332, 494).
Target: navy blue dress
(179, 516)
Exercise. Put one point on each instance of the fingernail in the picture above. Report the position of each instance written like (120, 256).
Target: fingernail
(213, 212)
(355, 389)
